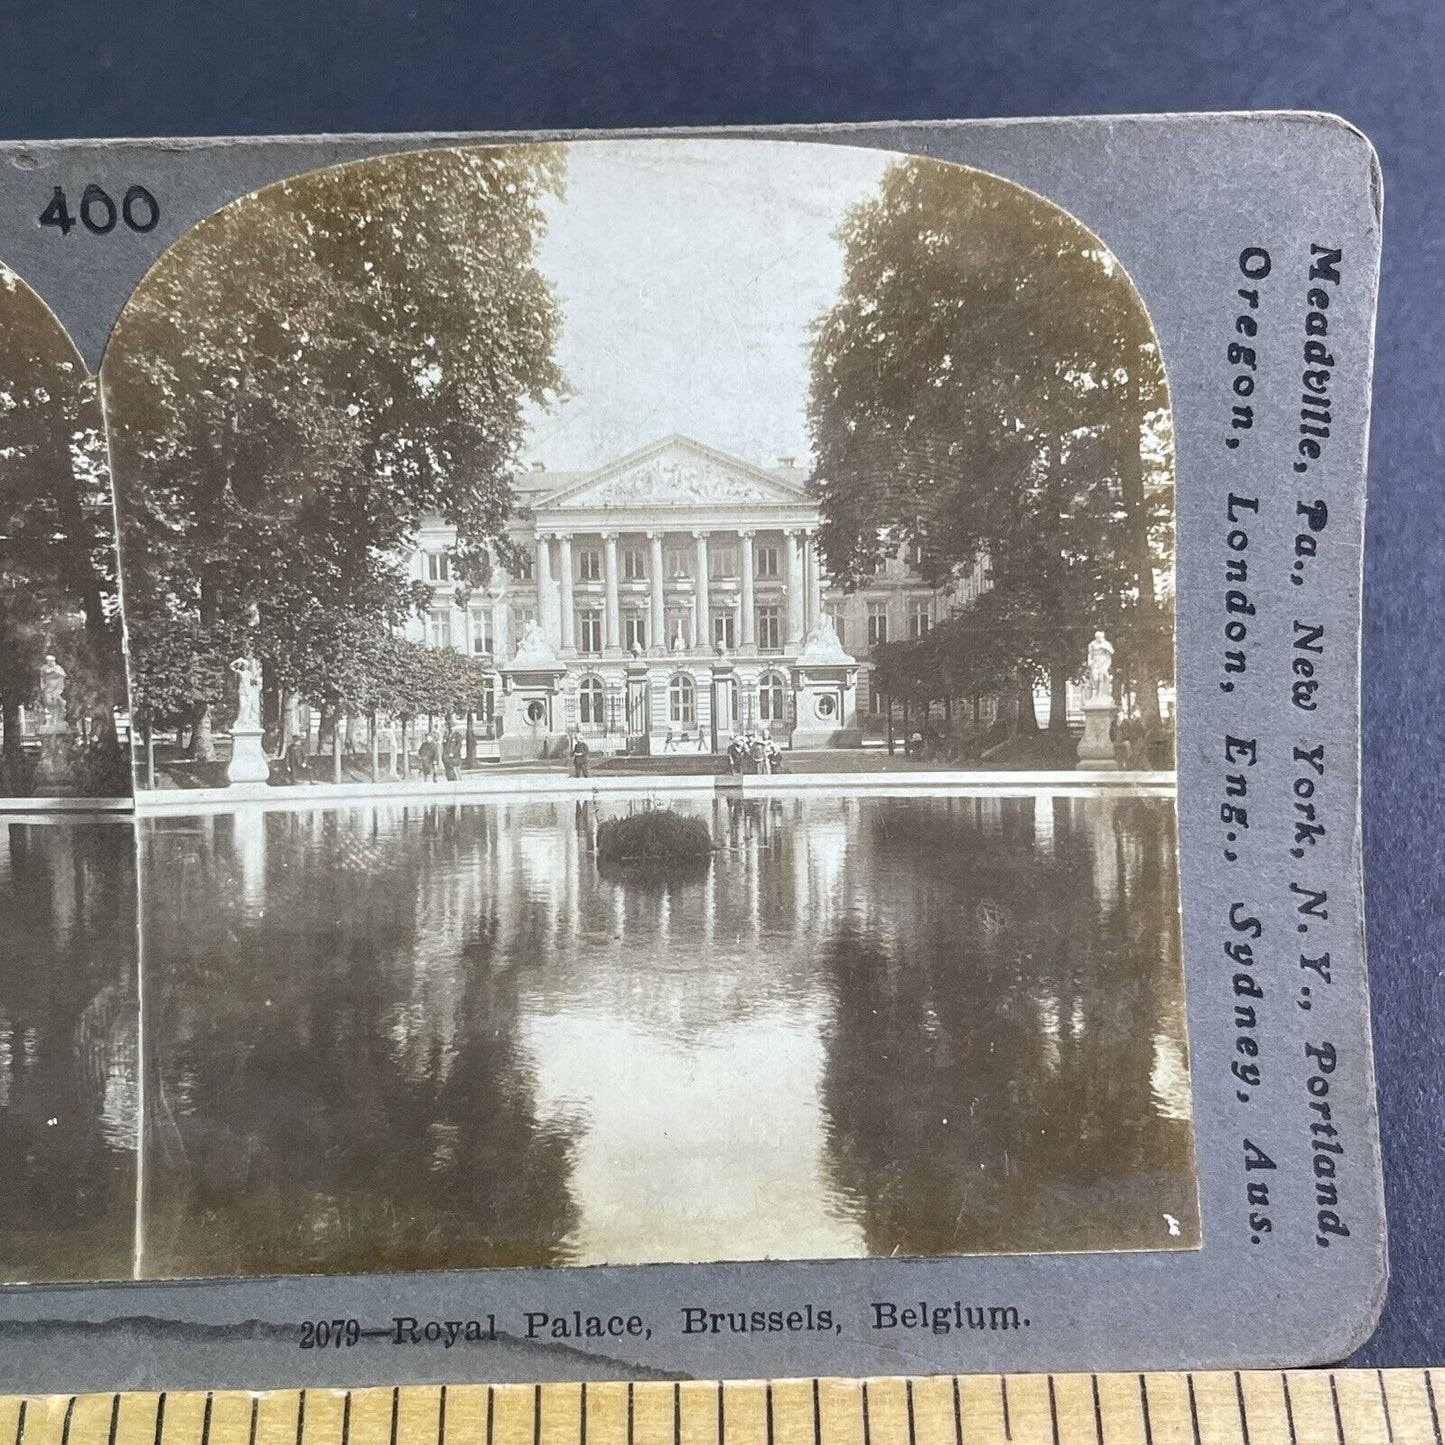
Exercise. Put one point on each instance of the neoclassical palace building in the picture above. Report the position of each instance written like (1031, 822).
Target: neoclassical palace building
(672, 597)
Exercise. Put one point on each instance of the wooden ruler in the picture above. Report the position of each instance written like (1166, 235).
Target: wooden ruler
(1293, 1407)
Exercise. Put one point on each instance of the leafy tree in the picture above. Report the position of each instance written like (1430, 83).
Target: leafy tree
(57, 530)
(281, 425)
(988, 384)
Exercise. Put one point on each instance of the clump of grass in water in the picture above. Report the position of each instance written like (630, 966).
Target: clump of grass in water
(653, 835)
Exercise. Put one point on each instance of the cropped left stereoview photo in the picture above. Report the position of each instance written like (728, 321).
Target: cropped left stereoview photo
(64, 720)
(651, 706)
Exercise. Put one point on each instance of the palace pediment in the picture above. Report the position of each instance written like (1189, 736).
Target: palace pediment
(675, 472)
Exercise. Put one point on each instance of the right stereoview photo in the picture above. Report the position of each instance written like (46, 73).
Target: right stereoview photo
(652, 709)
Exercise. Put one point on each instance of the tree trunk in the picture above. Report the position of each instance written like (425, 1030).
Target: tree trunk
(375, 747)
(405, 748)
(890, 727)
(1058, 699)
(336, 750)
(1154, 650)
(471, 738)
(203, 742)
(150, 756)
(1028, 719)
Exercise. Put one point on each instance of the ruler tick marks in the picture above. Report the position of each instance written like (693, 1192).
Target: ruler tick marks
(818, 1415)
(1434, 1413)
(720, 1417)
(20, 1424)
(492, 1406)
(395, 1411)
(1335, 1401)
(115, 1417)
(957, 1414)
(1144, 1410)
(1098, 1411)
(301, 1418)
(1053, 1411)
(769, 1398)
(255, 1410)
(676, 1414)
(442, 1420)
(908, 1396)
(629, 1418)
(867, 1424)
(581, 1419)
(1239, 1400)
(1385, 1406)
(1193, 1408)
(65, 1428)
(536, 1415)
(1008, 1433)
(346, 1419)
(1288, 1408)
(205, 1420)
(161, 1417)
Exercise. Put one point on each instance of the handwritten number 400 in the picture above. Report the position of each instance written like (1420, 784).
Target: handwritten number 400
(98, 213)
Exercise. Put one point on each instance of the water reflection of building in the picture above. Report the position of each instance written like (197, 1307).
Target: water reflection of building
(677, 585)
(870, 1025)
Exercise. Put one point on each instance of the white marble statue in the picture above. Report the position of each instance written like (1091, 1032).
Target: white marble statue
(1100, 682)
(533, 646)
(822, 643)
(52, 690)
(248, 692)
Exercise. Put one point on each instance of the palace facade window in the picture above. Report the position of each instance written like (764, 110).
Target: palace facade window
(877, 699)
(877, 623)
(634, 564)
(591, 701)
(724, 630)
(681, 700)
(438, 567)
(481, 630)
(524, 568)
(634, 634)
(722, 562)
(772, 699)
(920, 617)
(677, 562)
(589, 564)
(439, 627)
(679, 624)
(770, 629)
(767, 562)
(589, 630)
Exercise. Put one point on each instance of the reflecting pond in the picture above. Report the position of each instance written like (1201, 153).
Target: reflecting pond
(398, 1037)
(416, 1036)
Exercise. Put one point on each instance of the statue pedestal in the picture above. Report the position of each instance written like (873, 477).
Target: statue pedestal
(1096, 748)
(248, 758)
(531, 725)
(826, 713)
(54, 777)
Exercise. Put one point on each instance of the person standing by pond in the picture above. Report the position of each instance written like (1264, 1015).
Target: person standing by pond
(452, 755)
(581, 755)
(426, 756)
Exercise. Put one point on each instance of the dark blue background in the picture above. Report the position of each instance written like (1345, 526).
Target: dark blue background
(241, 67)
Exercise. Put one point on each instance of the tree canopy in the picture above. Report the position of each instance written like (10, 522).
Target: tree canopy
(305, 377)
(988, 384)
(57, 527)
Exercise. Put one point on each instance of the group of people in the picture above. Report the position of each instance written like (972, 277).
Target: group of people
(754, 753)
(442, 755)
(1137, 746)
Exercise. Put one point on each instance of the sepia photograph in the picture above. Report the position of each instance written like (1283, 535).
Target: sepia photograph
(652, 722)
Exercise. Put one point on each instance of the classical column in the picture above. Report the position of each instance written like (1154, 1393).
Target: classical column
(813, 567)
(749, 636)
(794, 637)
(569, 617)
(657, 630)
(612, 633)
(501, 647)
(703, 640)
(543, 571)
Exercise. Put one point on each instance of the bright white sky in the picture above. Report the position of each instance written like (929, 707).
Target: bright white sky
(689, 272)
